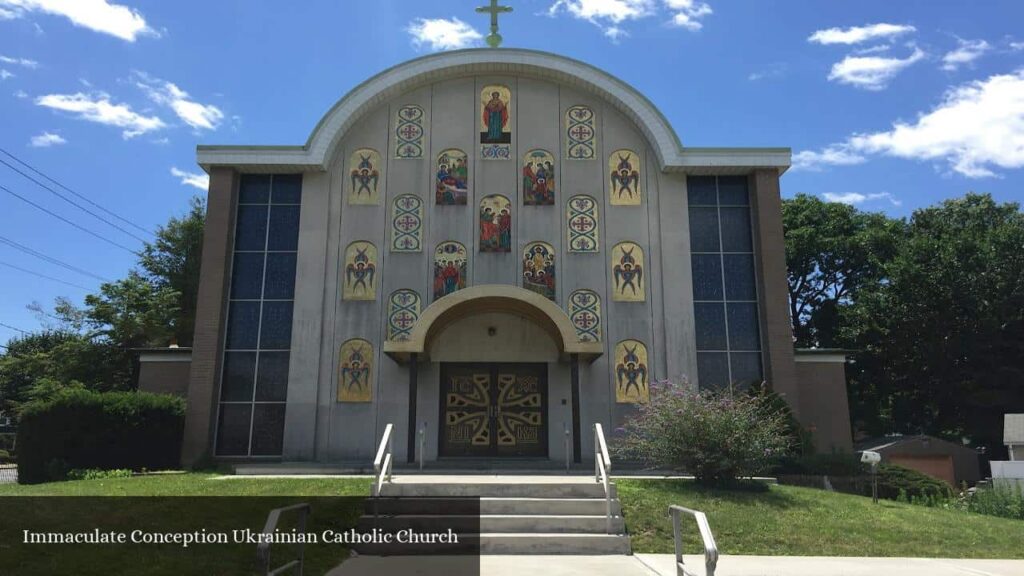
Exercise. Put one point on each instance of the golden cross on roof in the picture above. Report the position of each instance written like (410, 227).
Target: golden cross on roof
(494, 39)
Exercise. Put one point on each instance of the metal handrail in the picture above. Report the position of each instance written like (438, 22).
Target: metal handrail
(423, 443)
(263, 548)
(568, 453)
(382, 462)
(602, 470)
(710, 548)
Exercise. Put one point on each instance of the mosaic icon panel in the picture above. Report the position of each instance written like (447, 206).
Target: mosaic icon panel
(628, 272)
(631, 373)
(495, 224)
(360, 272)
(364, 177)
(585, 314)
(538, 178)
(496, 115)
(403, 312)
(624, 173)
(407, 224)
(355, 371)
(539, 269)
(581, 224)
(580, 133)
(450, 268)
(409, 132)
(451, 186)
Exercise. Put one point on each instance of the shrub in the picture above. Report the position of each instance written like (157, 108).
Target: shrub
(98, 430)
(1002, 501)
(5, 457)
(94, 474)
(717, 437)
(899, 483)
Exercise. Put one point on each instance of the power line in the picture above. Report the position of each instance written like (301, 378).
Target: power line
(26, 271)
(72, 202)
(83, 197)
(63, 219)
(50, 259)
(13, 328)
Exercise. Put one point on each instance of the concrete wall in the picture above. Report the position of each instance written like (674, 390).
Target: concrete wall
(165, 373)
(824, 407)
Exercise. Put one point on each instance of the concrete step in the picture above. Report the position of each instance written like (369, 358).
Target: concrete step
(573, 489)
(503, 523)
(550, 543)
(549, 506)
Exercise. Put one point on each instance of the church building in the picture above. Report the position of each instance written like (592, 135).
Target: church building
(491, 249)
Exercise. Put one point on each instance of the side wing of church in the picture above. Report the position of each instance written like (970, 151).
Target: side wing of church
(495, 249)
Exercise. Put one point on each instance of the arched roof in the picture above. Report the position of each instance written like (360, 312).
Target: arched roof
(316, 153)
(492, 298)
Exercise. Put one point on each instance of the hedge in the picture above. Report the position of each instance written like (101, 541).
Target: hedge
(98, 430)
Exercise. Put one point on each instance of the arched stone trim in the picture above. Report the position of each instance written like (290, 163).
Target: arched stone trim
(493, 298)
(322, 143)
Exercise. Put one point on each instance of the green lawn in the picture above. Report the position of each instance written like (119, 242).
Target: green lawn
(788, 520)
(782, 521)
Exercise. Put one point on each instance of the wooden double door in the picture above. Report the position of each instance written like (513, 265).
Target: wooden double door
(494, 410)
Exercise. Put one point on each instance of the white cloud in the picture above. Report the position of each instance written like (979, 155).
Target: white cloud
(23, 62)
(98, 108)
(196, 115)
(854, 198)
(46, 139)
(858, 34)
(442, 34)
(5, 74)
(837, 155)
(978, 127)
(874, 49)
(774, 70)
(610, 14)
(688, 13)
(871, 72)
(1016, 45)
(21, 94)
(196, 180)
(968, 51)
(97, 15)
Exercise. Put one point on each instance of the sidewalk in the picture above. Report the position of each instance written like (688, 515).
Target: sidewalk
(664, 565)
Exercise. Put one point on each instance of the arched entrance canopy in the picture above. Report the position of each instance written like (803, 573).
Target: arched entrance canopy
(493, 298)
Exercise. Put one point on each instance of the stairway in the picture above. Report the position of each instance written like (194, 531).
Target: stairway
(518, 514)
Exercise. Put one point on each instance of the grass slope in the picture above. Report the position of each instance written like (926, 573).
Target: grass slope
(788, 520)
(782, 521)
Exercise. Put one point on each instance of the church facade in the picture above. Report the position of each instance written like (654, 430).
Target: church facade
(492, 249)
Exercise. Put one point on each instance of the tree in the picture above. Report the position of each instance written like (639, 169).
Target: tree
(37, 364)
(941, 342)
(833, 251)
(172, 261)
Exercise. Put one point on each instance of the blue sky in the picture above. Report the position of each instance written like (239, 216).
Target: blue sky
(888, 105)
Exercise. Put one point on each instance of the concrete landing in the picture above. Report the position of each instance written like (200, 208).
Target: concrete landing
(664, 565)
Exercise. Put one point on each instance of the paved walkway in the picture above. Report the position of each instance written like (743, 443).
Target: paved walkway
(664, 565)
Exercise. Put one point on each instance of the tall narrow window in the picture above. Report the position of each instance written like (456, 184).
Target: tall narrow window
(724, 282)
(254, 378)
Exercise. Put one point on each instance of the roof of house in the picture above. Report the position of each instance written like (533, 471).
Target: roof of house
(890, 442)
(1013, 429)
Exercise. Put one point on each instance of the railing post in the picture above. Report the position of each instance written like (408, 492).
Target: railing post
(423, 443)
(597, 454)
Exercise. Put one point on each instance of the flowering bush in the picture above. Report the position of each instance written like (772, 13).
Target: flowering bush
(718, 437)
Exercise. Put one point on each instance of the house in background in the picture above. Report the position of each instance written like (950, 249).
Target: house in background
(1011, 473)
(935, 457)
(1013, 435)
